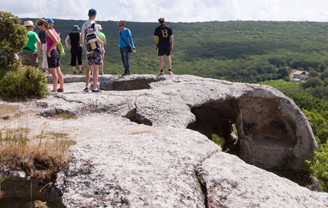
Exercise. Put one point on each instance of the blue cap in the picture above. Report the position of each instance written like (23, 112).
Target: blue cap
(92, 12)
(50, 21)
(76, 27)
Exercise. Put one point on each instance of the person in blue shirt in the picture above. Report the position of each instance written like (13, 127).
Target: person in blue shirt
(125, 38)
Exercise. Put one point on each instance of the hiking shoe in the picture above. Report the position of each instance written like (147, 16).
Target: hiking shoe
(86, 89)
(80, 72)
(96, 90)
(161, 73)
(60, 90)
(74, 72)
(125, 74)
(170, 73)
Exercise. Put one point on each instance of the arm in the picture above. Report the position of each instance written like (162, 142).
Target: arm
(38, 42)
(155, 42)
(131, 40)
(81, 40)
(100, 42)
(66, 41)
(104, 41)
(53, 38)
(171, 37)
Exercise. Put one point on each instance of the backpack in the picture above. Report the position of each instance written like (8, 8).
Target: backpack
(91, 40)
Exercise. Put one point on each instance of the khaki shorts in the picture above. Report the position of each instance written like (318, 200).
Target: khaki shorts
(29, 59)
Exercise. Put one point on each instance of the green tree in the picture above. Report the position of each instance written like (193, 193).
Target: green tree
(12, 40)
(313, 73)
(313, 82)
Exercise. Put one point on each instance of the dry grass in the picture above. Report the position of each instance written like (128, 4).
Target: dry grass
(41, 157)
(7, 110)
(64, 116)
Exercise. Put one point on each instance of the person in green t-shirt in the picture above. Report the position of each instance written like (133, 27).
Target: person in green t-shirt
(31, 51)
(103, 38)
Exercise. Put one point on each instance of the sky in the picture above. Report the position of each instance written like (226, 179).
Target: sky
(172, 10)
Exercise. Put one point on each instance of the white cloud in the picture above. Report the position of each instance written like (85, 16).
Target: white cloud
(172, 10)
(60, 9)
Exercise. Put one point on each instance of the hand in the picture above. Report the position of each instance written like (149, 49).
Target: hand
(155, 47)
(133, 49)
(171, 47)
(48, 54)
(37, 53)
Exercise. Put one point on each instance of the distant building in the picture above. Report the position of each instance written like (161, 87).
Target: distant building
(300, 75)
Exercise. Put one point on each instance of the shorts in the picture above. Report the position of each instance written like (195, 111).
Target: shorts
(54, 59)
(29, 59)
(164, 48)
(94, 58)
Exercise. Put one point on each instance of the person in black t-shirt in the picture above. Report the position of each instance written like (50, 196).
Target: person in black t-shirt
(163, 41)
(76, 47)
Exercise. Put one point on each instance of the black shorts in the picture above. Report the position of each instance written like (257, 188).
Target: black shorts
(54, 59)
(164, 48)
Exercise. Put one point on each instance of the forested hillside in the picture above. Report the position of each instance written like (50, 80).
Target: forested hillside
(246, 51)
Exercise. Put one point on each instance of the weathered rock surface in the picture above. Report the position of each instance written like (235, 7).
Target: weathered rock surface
(270, 126)
(167, 164)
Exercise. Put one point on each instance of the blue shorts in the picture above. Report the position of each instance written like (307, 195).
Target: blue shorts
(54, 59)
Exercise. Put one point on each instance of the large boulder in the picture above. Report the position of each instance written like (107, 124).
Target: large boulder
(270, 126)
(149, 144)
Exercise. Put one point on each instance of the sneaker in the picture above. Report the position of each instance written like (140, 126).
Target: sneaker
(102, 73)
(161, 73)
(125, 74)
(170, 73)
(74, 72)
(60, 90)
(86, 89)
(96, 90)
(80, 72)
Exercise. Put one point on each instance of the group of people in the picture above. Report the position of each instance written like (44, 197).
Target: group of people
(93, 41)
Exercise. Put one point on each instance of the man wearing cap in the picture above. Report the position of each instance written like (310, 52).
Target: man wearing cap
(31, 50)
(103, 38)
(76, 47)
(50, 23)
(94, 59)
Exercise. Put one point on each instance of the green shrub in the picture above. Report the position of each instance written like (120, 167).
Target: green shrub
(319, 166)
(23, 82)
(12, 40)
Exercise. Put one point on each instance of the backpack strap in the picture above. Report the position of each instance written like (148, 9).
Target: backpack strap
(123, 38)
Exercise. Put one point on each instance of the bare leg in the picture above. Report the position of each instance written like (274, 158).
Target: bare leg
(60, 77)
(54, 78)
(87, 75)
(161, 60)
(168, 61)
(95, 75)
(80, 68)
(74, 68)
(102, 67)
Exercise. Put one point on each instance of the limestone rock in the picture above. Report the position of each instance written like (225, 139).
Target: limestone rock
(168, 160)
